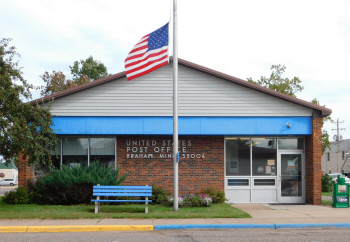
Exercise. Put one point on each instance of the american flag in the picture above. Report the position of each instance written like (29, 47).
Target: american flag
(150, 53)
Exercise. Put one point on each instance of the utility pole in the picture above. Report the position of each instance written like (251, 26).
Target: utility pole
(337, 139)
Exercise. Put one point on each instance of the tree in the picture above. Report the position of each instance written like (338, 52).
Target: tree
(289, 87)
(277, 83)
(84, 71)
(88, 68)
(55, 82)
(24, 128)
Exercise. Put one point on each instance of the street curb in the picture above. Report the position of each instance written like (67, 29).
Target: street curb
(229, 226)
(74, 228)
(92, 228)
(310, 226)
(214, 226)
(168, 227)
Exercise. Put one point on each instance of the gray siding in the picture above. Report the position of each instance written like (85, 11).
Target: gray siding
(199, 94)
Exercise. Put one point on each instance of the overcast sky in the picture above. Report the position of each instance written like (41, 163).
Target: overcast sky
(239, 38)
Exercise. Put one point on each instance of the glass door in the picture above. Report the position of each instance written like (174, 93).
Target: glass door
(291, 177)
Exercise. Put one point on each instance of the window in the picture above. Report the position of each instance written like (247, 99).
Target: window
(343, 155)
(75, 151)
(103, 150)
(264, 182)
(291, 143)
(257, 156)
(81, 151)
(56, 155)
(238, 182)
(328, 156)
(238, 157)
(264, 157)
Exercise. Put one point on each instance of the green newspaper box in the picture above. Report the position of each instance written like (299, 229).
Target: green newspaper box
(340, 193)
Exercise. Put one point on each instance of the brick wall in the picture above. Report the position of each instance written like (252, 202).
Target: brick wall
(201, 166)
(24, 171)
(313, 163)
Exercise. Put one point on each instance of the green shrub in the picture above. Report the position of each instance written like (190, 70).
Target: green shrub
(159, 194)
(69, 186)
(326, 183)
(191, 200)
(18, 196)
(218, 196)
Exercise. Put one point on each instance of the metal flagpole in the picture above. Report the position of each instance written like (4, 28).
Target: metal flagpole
(175, 116)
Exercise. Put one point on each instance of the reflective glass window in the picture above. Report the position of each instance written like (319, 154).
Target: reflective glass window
(237, 182)
(103, 151)
(264, 182)
(238, 157)
(75, 151)
(264, 157)
(56, 155)
(291, 143)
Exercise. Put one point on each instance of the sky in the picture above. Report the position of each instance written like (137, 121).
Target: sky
(239, 38)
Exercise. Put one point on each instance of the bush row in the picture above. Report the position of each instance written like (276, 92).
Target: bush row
(69, 186)
(66, 186)
(204, 198)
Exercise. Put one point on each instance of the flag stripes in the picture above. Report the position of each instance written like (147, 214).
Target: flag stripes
(150, 53)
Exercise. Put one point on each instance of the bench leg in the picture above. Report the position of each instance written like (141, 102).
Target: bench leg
(146, 210)
(97, 207)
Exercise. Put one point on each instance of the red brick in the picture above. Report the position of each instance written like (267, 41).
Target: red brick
(25, 172)
(313, 164)
(194, 173)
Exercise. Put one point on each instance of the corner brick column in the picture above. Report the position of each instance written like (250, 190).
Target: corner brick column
(313, 172)
(24, 171)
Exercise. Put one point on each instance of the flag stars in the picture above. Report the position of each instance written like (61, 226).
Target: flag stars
(157, 42)
(158, 38)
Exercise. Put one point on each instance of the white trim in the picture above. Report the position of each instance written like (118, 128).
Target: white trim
(299, 199)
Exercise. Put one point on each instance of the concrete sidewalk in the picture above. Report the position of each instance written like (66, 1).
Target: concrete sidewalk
(263, 215)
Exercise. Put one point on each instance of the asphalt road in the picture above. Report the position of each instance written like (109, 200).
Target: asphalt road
(190, 235)
(4, 189)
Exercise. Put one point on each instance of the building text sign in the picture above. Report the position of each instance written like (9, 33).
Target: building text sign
(150, 149)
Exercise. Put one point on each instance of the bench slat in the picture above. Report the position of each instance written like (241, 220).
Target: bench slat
(125, 187)
(122, 194)
(122, 201)
(115, 190)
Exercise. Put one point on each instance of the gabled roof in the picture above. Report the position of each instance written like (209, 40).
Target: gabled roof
(323, 111)
(10, 166)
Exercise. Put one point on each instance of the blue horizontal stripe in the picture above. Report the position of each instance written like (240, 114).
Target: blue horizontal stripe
(120, 201)
(125, 187)
(308, 226)
(122, 194)
(187, 126)
(250, 226)
(168, 227)
(228, 226)
(121, 191)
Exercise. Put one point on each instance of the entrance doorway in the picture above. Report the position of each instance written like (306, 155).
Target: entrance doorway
(291, 177)
(264, 170)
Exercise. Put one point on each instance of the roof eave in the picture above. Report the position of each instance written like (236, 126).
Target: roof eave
(324, 111)
(80, 88)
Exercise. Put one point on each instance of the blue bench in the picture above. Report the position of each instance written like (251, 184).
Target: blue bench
(121, 191)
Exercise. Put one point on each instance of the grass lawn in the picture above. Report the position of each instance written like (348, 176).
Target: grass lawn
(326, 203)
(30, 211)
(326, 193)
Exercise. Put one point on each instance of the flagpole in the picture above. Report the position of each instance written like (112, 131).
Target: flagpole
(175, 115)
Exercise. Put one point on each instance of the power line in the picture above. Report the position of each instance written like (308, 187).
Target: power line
(337, 138)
